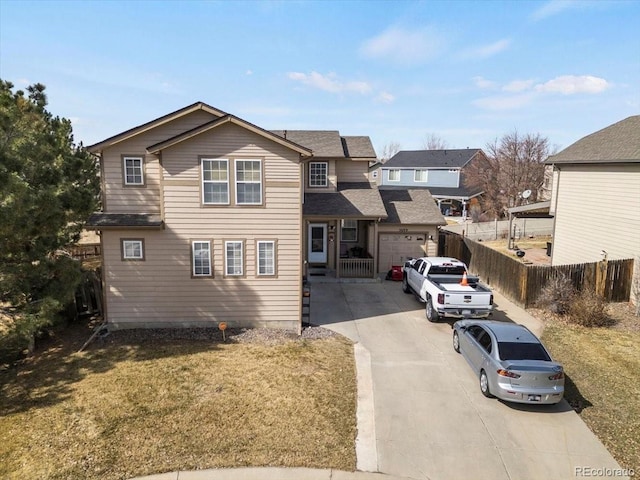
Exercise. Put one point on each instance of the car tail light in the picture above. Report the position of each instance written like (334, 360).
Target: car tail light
(491, 299)
(441, 298)
(507, 373)
(557, 376)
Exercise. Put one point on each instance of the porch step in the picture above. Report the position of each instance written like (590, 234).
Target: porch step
(318, 271)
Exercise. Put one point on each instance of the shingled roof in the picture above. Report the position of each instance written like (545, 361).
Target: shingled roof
(616, 143)
(432, 158)
(351, 200)
(100, 220)
(358, 147)
(412, 206)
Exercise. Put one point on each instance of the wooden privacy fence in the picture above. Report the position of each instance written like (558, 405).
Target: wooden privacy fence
(523, 283)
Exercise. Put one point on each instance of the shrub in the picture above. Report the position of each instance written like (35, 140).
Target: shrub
(557, 295)
(589, 310)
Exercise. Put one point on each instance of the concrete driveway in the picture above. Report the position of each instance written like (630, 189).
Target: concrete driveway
(429, 418)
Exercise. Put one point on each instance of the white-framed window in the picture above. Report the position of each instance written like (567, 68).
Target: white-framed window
(201, 258)
(234, 258)
(394, 175)
(132, 249)
(318, 174)
(133, 171)
(349, 230)
(215, 181)
(420, 176)
(266, 257)
(248, 182)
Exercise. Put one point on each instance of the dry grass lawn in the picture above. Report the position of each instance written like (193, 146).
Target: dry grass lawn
(124, 409)
(603, 369)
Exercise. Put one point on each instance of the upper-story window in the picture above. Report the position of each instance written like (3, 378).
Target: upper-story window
(215, 181)
(394, 175)
(318, 174)
(133, 171)
(420, 176)
(248, 182)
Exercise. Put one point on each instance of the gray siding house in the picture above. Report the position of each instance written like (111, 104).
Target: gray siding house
(439, 171)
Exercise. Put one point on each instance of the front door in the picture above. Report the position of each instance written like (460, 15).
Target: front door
(317, 243)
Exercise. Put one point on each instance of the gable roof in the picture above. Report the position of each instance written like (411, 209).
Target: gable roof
(132, 132)
(456, 158)
(616, 143)
(323, 143)
(411, 206)
(222, 121)
(352, 200)
(358, 147)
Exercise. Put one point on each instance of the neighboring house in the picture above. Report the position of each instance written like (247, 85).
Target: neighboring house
(596, 196)
(209, 218)
(440, 171)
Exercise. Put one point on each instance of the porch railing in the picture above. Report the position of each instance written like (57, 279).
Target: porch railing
(356, 267)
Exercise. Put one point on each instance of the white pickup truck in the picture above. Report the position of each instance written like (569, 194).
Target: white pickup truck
(446, 287)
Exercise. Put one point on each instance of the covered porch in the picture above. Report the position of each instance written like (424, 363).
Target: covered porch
(341, 231)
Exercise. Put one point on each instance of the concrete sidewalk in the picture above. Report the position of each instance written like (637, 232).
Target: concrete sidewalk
(269, 473)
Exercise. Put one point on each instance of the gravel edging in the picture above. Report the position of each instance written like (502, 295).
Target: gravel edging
(261, 336)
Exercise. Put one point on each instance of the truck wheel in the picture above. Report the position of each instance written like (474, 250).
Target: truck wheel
(405, 285)
(432, 315)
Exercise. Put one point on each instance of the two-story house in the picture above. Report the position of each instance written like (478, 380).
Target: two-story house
(596, 196)
(439, 171)
(208, 218)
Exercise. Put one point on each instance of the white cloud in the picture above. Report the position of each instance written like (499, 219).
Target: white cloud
(249, 72)
(385, 97)
(518, 86)
(485, 51)
(330, 83)
(572, 84)
(405, 46)
(483, 83)
(555, 7)
(504, 102)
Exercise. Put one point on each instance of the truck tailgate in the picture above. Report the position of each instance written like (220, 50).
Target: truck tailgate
(462, 296)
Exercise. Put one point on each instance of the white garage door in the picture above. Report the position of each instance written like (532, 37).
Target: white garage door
(395, 249)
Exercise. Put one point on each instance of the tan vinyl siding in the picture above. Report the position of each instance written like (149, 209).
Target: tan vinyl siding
(332, 176)
(351, 171)
(598, 208)
(141, 199)
(162, 292)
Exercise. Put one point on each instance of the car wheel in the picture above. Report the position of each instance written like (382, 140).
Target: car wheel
(484, 384)
(405, 285)
(456, 341)
(431, 313)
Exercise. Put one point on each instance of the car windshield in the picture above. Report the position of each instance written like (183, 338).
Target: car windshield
(522, 351)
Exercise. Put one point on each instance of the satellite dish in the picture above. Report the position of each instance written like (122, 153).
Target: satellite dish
(526, 194)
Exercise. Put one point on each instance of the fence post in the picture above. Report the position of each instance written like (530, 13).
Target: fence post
(601, 278)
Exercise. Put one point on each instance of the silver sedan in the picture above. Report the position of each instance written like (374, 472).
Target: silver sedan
(510, 361)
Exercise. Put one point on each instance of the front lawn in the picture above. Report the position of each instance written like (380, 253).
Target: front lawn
(129, 406)
(603, 366)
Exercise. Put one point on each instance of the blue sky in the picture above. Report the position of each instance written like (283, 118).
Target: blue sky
(467, 72)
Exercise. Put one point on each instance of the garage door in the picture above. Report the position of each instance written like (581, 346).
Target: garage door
(395, 249)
